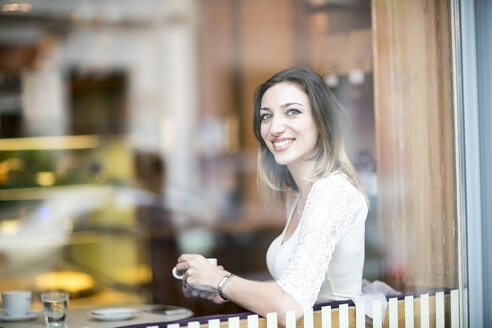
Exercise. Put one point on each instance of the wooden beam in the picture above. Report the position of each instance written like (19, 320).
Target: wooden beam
(415, 142)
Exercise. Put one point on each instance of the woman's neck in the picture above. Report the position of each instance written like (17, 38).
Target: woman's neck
(302, 173)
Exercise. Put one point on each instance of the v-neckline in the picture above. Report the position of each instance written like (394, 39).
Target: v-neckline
(289, 222)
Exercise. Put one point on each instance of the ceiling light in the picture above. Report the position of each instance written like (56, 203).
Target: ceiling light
(12, 7)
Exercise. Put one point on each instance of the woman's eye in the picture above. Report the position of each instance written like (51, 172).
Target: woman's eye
(265, 116)
(293, 112)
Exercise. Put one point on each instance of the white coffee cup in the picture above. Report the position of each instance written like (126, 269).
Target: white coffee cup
(17, 302)
(212, 261)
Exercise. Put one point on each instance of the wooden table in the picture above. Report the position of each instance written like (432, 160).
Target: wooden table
(81, 318)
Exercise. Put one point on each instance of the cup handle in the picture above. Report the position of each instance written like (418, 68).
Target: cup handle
(176, 275)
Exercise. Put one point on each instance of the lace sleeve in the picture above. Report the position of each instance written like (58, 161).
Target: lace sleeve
(332, 206)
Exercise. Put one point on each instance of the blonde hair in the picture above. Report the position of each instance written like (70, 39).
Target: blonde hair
(331, 120)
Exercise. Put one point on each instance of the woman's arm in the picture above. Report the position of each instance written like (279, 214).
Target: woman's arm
(332, 207)
(261, 297)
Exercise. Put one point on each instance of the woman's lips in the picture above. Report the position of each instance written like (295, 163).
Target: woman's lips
(280, 145)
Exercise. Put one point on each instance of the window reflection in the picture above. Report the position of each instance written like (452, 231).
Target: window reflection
(139, 121)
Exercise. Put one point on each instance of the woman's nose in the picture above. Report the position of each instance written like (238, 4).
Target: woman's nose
(278, 126)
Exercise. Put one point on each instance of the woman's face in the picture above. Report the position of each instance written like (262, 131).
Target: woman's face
(287, 125)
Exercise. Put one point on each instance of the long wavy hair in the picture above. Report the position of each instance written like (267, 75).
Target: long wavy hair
(332, 122)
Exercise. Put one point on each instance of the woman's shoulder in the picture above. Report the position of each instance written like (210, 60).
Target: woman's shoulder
(338, 185)
(337, 194)
(335, 181)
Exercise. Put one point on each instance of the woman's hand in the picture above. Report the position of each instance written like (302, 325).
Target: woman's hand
(200, 275)
(210, 296)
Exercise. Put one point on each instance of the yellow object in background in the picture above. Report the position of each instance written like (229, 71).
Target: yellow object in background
(76, 283)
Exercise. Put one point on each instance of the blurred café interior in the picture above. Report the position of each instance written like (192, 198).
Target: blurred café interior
(126, 138)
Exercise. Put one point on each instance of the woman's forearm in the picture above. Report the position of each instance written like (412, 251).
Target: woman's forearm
(261, 297)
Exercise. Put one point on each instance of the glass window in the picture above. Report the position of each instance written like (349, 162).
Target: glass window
(126, 139)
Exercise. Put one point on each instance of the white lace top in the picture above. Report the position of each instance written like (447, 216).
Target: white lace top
(324, 258)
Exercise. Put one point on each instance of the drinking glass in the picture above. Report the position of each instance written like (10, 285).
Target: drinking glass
(55, 305)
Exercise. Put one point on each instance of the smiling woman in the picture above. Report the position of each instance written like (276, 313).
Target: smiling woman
(287, 125)
(319, 256)
(328, 119)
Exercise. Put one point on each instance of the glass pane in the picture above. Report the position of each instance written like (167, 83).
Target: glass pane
(126, 140)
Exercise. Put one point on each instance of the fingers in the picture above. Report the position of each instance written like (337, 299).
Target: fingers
(186, 261)
(189, 257)
(190, 263)
(189, 291)
(199, 276)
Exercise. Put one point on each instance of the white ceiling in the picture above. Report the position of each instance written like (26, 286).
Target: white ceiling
(36, 16)
(90, 9)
